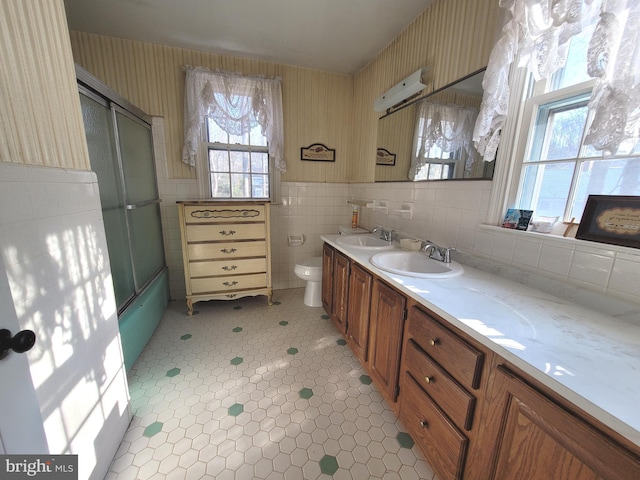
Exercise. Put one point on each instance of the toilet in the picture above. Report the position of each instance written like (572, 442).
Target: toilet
(310, 270)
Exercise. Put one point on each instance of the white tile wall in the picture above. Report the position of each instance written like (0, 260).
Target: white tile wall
(54, 249)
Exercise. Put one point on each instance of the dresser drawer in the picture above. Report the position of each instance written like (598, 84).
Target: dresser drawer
(227, 267)
(457, 357)
(442, 443)
(456, 402)
(225, 232)
(222, 284)
(222, 250)
(224, 213)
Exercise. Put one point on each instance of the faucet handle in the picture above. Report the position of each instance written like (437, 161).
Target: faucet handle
(446, 256)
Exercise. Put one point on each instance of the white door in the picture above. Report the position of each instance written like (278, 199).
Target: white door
(21, 429)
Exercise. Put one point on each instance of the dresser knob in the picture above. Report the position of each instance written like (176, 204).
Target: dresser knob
(434, 342)
(229, 268)
(224, 232)
(231, 250)
(230, 284)
(429, 379)
(424, 424)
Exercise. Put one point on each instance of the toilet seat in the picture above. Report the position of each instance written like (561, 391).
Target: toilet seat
(310, 267)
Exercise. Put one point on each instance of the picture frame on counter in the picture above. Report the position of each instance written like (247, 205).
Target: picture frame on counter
(612, 219)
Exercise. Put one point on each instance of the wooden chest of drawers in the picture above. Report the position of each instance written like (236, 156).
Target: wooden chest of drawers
(226, 250)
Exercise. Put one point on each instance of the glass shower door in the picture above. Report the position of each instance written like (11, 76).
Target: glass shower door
(98, 125)
(141, 195)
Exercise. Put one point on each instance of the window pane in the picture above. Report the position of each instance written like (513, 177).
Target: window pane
(575, 70)
(545, 188)
(260, 186)
(257, 138)
(239, 162)
(606, 177)
(218, 161)
(241, 139)
(240, 185)
(259, 162)
(220, 185)
(558, 132)
(215, 133)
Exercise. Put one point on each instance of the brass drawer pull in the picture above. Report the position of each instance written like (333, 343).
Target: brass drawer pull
(228, 269)
(230, 232)
(230, 284)
(429, 379)
(434, 341)
(231, 250)
(424, 424)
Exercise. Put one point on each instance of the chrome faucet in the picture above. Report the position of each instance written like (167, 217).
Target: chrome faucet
(385, 234)
(441, 254)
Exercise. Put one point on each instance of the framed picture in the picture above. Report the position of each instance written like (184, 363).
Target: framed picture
(613, 219)
(318, 152)
(517, 219)
(385, 157)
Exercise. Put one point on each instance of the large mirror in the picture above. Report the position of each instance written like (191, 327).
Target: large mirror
(430, 138)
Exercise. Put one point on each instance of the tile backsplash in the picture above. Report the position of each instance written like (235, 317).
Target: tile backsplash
(448, 213)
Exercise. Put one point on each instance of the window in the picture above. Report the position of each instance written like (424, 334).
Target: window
(233, 134)
(238, 163)
(558, 170)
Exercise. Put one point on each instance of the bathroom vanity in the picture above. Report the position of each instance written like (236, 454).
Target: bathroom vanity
(493, 379)
(226, 250)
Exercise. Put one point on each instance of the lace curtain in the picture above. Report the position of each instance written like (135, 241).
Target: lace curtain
(234, 102)
(448, 127)
(537, 32)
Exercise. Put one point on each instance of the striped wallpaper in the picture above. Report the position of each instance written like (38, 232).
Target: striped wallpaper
(40, 115)
(317, 104)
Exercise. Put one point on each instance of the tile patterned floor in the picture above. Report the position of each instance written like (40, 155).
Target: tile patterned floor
(244, 391)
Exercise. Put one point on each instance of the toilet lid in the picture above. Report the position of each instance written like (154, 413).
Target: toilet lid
(312, 262)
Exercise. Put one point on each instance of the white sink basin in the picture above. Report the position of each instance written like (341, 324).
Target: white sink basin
(364, 242)
(415, 264)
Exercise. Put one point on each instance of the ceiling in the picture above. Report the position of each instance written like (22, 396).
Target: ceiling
(334, 35)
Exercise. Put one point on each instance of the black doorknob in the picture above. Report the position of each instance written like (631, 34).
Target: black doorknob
(19, 343)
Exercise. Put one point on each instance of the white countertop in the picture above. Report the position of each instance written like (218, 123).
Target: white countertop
(590, 358)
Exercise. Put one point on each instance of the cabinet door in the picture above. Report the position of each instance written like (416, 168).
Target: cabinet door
(327, 278)
(340, 291)
(388, 314)
(358, 311)
(541, 440)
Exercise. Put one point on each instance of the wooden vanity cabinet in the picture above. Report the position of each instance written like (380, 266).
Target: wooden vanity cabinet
(539, 436)
(386, 330)
(439, 388)
(327, 278)
(358, 311)
(346, 297)
(341, 268)
(226, 250)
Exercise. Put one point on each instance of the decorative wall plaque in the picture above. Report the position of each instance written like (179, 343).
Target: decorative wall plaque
(385, 157)
(318, 152)
(613, 219)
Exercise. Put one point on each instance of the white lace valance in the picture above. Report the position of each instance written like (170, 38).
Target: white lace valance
(448, 127)
(537, 32)
(234, 102)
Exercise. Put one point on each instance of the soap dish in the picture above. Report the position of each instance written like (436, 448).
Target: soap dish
(410, 244)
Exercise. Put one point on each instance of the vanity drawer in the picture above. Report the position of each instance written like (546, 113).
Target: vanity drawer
(445, 391)
(222, 284)
(225, 232)
(227, 267)
(457, 357)
(223, 213)
(442, 443)
(210, 251)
